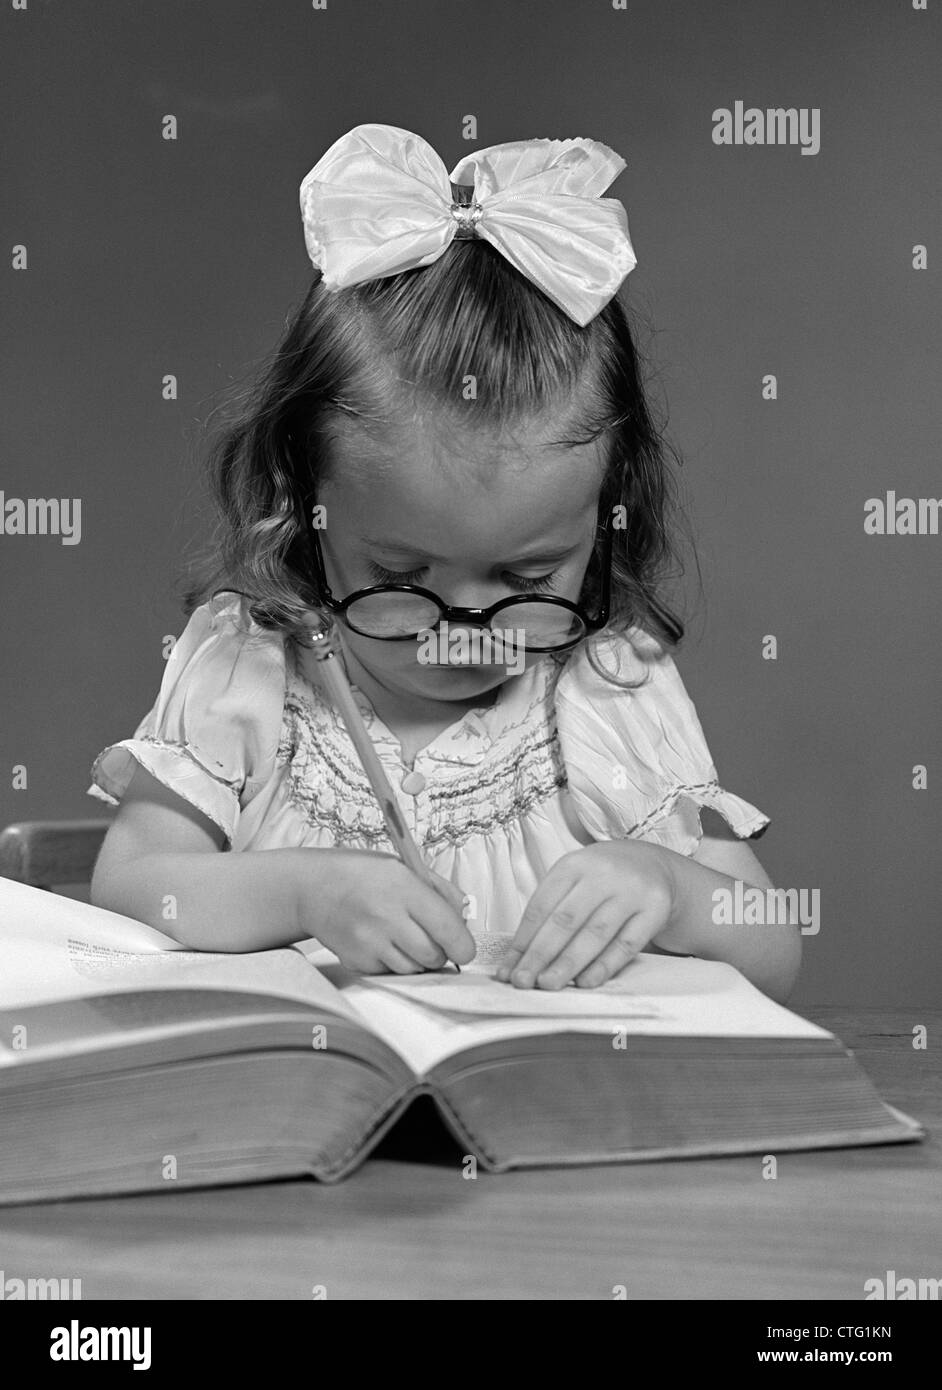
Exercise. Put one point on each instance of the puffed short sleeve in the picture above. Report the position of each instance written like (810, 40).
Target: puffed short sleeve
(213, 734)
(637, 761)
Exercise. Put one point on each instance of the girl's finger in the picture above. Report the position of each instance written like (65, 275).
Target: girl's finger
(598, 932)
(452, 895)
(438, 917)
(398, 962)
(632, 938)
(415, 943)
(574, 908)
(554, 887)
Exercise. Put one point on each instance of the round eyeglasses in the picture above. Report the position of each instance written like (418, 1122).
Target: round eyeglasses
(404, 612)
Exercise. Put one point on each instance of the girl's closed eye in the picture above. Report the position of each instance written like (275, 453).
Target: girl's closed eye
(533, 584)
(519, 582)
(384, 576)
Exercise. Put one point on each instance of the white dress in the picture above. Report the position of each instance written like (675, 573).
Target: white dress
(561, 758)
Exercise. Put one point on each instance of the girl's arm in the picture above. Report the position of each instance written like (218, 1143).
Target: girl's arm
(161, 862)
(770, 955)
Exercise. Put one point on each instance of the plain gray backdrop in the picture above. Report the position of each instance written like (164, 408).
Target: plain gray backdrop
(149, 257)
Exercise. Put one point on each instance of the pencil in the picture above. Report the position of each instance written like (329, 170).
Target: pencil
(324, 645)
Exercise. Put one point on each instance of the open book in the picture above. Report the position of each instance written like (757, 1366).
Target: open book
(128, 1063)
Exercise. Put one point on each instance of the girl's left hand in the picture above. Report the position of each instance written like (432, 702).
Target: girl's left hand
(593, 912)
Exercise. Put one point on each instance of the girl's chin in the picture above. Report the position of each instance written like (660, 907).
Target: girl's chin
(483, 675)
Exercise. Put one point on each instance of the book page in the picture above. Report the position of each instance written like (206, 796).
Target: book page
(439, 1014)
(479, 995)
(56, 948)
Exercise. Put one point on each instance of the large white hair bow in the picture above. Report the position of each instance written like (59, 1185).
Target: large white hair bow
(380, 201)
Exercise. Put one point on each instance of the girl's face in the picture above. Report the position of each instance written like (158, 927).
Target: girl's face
(475, 518)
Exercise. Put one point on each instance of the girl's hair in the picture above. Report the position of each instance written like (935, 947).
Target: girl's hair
(360, 351)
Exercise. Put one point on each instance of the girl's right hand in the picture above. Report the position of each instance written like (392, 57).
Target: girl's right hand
(377, 916)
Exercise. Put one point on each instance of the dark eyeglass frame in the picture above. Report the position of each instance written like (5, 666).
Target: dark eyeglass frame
(478, 617)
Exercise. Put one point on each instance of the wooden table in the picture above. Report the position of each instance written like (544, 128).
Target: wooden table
(407, 1225)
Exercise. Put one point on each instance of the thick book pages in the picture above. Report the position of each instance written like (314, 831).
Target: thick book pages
(128, 1063)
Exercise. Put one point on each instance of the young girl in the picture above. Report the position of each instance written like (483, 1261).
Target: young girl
(454, 421)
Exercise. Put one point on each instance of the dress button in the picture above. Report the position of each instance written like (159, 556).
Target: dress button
(413, 783)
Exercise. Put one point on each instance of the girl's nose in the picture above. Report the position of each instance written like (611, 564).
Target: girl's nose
(473, 595)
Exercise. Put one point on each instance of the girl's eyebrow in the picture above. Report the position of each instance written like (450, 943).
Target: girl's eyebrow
(550, 553)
